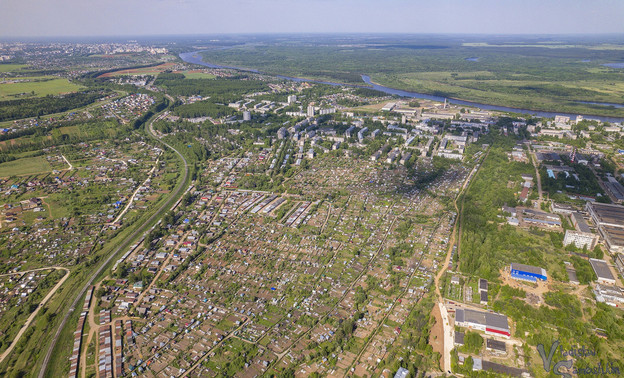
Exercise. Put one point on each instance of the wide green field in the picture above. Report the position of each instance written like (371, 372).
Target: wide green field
(552, 75)
(41, 86)
(26, 166)
(198, 75)
(11, 67)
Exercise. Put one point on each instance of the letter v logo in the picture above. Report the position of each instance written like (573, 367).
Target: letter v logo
(547, 360)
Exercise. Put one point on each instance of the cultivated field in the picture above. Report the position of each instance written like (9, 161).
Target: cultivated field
(11, 67)
(26, 166)
(23, 87)
(155, 70)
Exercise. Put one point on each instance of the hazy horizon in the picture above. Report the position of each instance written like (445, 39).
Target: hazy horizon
(144, 18)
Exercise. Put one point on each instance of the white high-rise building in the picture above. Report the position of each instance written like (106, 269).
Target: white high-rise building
(247, 116)
(580, 239)
(310, 110)
(292, 99)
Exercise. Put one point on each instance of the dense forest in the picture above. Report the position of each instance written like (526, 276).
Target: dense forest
(35, 107)
(222, 90)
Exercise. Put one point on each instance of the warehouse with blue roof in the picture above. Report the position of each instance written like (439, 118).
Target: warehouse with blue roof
(528, 272)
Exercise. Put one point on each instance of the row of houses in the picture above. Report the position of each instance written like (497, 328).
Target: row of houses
(75, 358)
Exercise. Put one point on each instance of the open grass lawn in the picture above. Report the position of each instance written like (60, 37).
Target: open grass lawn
(198, 75)
(26, 166)
(11, 67)
(41, 86)
(69, 130)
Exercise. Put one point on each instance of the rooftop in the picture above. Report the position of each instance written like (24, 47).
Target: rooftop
(527, 268)
(602, 269)
(607, 214)
(488, 319)
(496, 345)
(615, 235)
(459, 338)
(581, 225)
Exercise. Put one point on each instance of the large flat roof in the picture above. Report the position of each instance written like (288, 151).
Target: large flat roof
(496, 345)
(615, 234)
(608, 214)
(484, 296)
(487, 319)
(616, 189)
(528, 268)
(602, 269)
(582, 226)
(459, 338)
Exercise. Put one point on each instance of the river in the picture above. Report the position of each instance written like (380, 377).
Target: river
(196, 58)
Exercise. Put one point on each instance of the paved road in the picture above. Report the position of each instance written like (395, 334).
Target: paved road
(533, 158)
(149, 177)
(448, 336)
(68, 163)
(455, 236)
(124, 244)
(34, 314)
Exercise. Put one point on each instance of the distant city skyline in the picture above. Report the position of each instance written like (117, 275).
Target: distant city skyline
(39, 18)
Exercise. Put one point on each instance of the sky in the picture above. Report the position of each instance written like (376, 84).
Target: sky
(35, 18)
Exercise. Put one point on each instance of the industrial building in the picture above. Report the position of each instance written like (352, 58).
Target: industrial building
(527, 272)
(489, 322)
(459, 338)
(538, 218)
(579, 222)
(610, 222)
(496, 346)
(615, 189)
(611, 295)
(619, 263)
(602, 271)
(483, 284)
(562, 208)
(483, 297)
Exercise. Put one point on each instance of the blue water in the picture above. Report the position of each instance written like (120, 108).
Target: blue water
(195, 58)
(614, 65)
(472, 59)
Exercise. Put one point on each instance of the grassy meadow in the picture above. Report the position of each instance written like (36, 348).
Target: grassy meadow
(25, 87)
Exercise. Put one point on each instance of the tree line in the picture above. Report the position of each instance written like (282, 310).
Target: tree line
(35, 107)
